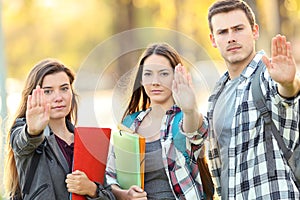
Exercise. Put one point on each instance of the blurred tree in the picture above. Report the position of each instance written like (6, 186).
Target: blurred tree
(69, 30)
(62, 29)
(125, 20)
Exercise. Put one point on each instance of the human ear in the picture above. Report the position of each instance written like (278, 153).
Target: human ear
(255, 31)
(213, 41)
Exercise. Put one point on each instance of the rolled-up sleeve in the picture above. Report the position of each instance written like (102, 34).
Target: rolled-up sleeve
(197, 137)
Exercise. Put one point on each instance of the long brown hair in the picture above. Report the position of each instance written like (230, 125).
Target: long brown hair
(34, 78)
(139, 99)
(207, 183)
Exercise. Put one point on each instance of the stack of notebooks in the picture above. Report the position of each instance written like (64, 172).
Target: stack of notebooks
(130, 158)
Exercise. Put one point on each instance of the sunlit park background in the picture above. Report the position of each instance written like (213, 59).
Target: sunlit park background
(101, 41)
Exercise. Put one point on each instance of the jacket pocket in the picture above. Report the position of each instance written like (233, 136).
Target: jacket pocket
(39, 191)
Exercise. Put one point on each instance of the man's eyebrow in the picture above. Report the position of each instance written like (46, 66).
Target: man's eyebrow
(221, 29)
(239, 25)
(233, 27)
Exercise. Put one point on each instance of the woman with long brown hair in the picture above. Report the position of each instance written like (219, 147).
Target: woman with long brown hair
(44, 125)
(162, 93)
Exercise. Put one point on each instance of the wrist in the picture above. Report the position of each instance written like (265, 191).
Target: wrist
(95, 190)
(290, 90)
(31, 134)
(191, 122)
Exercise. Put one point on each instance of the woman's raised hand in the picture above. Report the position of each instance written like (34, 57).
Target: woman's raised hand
(183, 92)
(37, 112)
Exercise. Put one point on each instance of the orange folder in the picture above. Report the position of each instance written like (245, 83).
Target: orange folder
(142, 143)
(91, 146)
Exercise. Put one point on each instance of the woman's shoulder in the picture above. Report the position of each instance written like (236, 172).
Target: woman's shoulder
(17, 123)
(129, 119)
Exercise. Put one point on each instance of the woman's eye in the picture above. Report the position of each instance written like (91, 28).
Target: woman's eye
(239, 29)
(164, 74)
(47, 91)
(65, 88)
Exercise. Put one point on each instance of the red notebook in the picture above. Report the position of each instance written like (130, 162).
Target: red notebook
(91, 146)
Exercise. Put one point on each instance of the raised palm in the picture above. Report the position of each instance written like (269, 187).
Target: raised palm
(282, 67)
(183, 92)
(37, 112)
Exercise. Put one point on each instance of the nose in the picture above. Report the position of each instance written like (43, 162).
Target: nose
(231, 37)
(155, 80)
(58, 97)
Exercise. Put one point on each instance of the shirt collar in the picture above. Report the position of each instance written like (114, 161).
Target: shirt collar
(173, 110)
(255, 62)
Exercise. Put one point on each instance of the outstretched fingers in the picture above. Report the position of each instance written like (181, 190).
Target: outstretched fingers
(280, 46)
(37, 112)
(267, 62)
(289, 50)
(180, 74)
(35, 99)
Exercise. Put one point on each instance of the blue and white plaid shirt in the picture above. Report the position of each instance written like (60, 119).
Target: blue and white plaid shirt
(248, 175)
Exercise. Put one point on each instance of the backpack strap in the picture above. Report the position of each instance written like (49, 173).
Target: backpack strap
(32, 168)
(129, 119)
(176, 120)
(177, 136)
(269, 127)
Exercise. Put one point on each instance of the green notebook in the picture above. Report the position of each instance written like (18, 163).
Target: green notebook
(129, 151)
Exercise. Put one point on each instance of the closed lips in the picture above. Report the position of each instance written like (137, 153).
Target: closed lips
(57, 107)
(230, 48)
(156, 91)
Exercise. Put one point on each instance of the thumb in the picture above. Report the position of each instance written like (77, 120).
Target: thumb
(76, 172)
(267, 62)
(137, 188)
(47, 109)
(174, 86)
(189, 78)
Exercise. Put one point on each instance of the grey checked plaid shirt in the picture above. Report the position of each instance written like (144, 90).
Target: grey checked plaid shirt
(248, 175)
